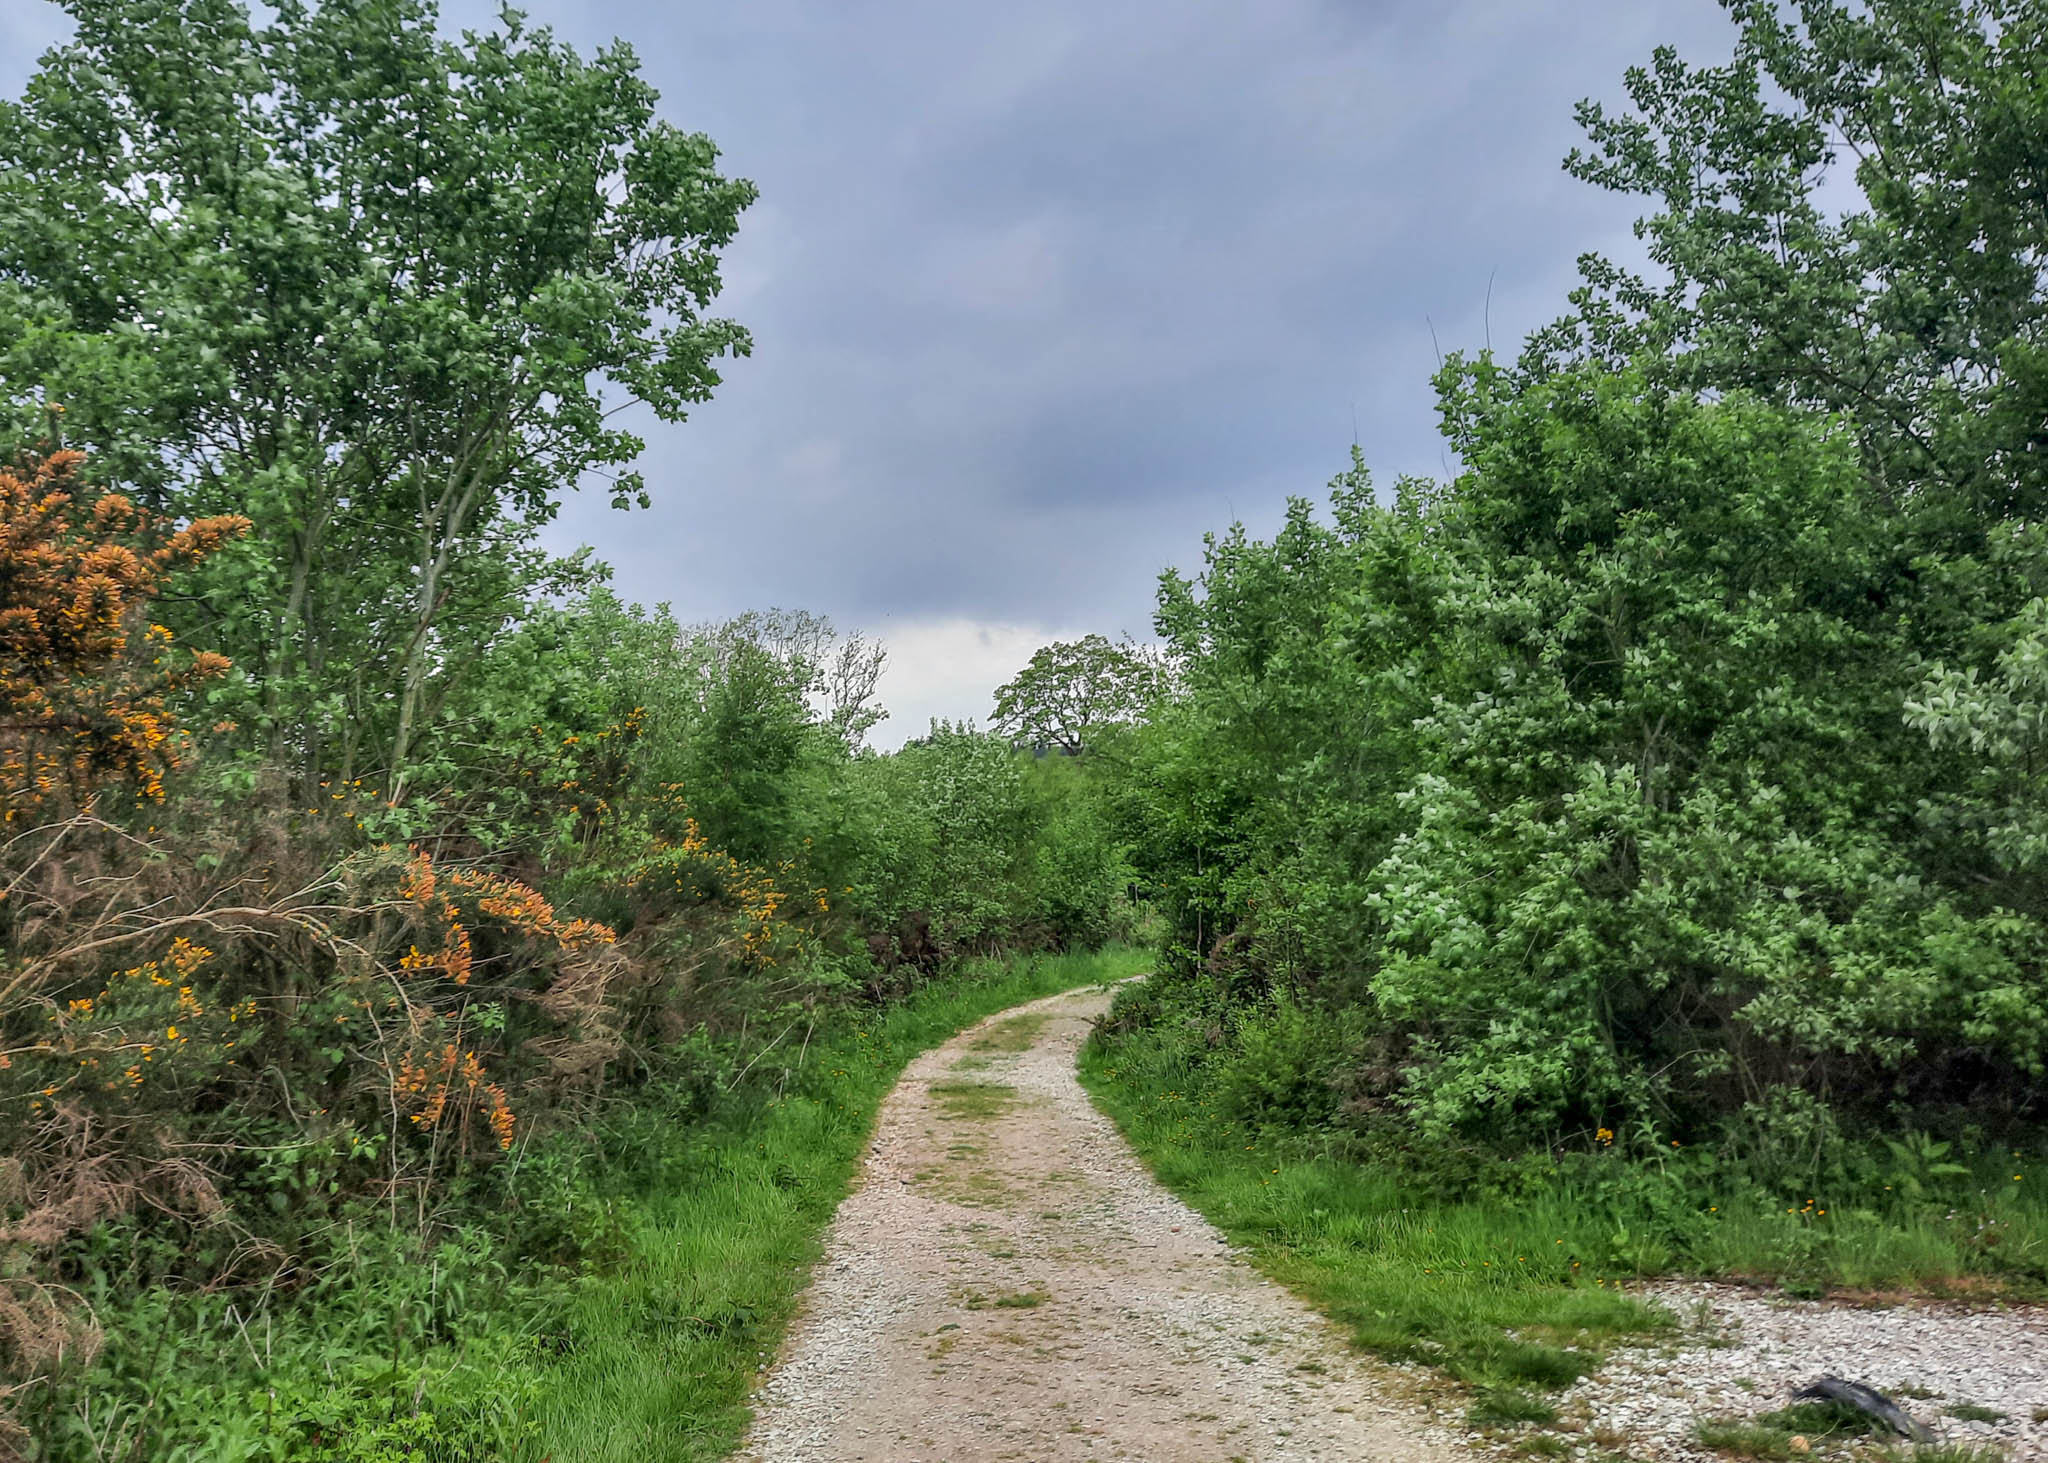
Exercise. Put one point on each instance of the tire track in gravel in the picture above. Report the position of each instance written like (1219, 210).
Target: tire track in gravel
(1007, 1282)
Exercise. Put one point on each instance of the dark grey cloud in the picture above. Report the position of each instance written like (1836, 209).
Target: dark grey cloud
(1042, 292)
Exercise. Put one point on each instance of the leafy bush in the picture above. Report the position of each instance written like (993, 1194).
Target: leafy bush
(1667, 774)
(1280, 1069)
(1603, 858)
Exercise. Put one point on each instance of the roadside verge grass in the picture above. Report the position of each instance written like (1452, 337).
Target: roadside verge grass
(654, 1359)
(1504, 1300)
(1515, 1278)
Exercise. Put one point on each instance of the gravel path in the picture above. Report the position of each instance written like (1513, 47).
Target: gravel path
(1008, 1282)
(1744, 1353)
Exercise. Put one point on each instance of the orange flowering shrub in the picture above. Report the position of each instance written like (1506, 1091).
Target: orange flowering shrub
(439, 1079)
(83, 678)
(452, 1073)
(517, 907)
(570, 775)
(763, 910)
(587, 770)
(388, 998)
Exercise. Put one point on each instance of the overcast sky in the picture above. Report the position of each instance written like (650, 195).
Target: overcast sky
(1041, 292)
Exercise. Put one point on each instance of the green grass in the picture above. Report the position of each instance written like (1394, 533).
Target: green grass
(1972, 1412)
(1821, 1420)
(1503, 1299)
(1022, 1300)
(656, 1358)
(1016, 1300)
(1775, 1434)
(1506, 1405)
(1740, 1438)
(1515, 1278)
(973, 1101)
(1984, 1241)
(1015, 1034)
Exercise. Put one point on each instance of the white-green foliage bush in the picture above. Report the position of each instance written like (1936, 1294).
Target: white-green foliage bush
(1676, 762)
(1591, 776)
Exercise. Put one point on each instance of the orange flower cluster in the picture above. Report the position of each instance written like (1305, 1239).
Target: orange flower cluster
(523, 909)
(458, 1075)
(517, 906)
(693, 867)
(82, 683)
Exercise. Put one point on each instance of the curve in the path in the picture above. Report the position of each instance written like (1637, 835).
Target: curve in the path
(1009, 1283)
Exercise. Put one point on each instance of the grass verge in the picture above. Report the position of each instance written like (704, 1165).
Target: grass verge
(1515, 1283)
(654, 1360)
(1501, 1299)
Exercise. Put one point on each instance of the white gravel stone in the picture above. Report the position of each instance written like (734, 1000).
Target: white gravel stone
(1741, 1352)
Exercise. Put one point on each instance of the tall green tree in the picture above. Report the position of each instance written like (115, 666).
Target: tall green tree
(1073, 691)
(1849, 216)
(381, 291)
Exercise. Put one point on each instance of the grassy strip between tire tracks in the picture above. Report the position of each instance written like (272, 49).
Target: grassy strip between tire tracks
(663, 1350)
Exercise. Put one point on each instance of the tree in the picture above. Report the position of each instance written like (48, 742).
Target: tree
(381, 292)
(1071, 691)
(1660, 861)
(743, 750)
(546, 743)
(962, 849)
(1271, 779)
(1917, 312)
(837, 674)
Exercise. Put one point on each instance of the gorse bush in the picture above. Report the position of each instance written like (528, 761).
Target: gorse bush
(83, 677)
(251, 1025)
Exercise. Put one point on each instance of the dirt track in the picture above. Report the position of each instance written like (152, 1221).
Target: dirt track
(1008, 1282)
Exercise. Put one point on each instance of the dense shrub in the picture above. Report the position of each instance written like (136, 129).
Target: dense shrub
(1668, 772)
(1590, 778)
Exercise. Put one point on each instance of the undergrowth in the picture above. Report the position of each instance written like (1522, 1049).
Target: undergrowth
(616, 1312)
(1513, 1275)
(1502, 1299)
